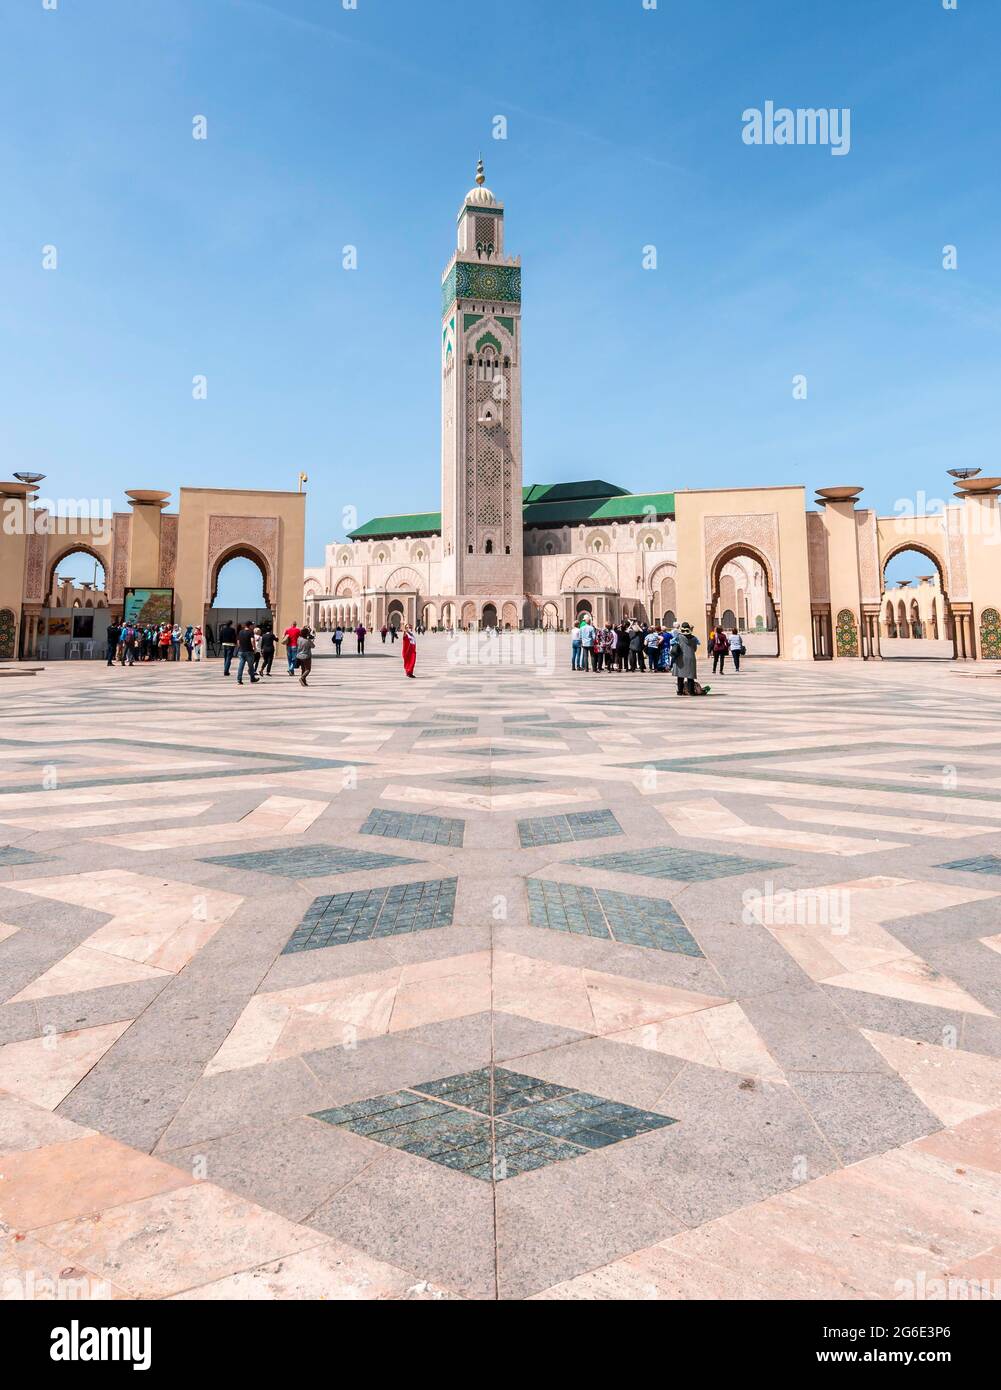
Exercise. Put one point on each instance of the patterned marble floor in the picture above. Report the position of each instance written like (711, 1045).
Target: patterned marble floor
(501, 983)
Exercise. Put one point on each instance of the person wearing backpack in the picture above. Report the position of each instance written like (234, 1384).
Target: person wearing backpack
(737, 649)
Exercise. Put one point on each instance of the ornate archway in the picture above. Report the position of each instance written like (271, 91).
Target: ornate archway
(240, 551)
(77, 548)
(905, 615)
(731, 553)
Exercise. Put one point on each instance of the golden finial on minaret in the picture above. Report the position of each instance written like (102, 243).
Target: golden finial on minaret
(481, 177)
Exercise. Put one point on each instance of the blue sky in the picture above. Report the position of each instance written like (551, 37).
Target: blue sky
(328, 126)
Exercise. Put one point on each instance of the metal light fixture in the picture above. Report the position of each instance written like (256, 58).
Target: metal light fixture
(303, 478)
(961, 473)
(30, 478)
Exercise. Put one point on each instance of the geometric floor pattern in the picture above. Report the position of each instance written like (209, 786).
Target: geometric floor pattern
(376, 912)
(402, 825)
(622, 917)
(559, 830)
(543, 1123)
(250, 1049)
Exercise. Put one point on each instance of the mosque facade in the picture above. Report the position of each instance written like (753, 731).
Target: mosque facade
(506, 553)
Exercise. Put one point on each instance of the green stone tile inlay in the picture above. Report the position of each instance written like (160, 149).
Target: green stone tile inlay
(980, 864)
(561, 830)
(624, 917)
(688, 866)
(344, 918)
(12, 854)
(448, 1121)
(309, 861)
(407, 825)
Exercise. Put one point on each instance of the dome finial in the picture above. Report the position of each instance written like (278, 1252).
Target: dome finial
(481, 177)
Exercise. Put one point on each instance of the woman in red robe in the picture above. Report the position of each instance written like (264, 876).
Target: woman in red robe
(409, 650)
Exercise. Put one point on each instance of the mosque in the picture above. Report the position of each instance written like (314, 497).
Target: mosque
(505, 554)
(803, 582)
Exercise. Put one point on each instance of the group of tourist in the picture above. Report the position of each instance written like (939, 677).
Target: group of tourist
(253, 647)
(631, 645)
(131, 641)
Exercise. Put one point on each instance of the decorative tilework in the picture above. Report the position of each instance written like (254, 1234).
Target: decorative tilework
(494, 283)
(623, 917)
(489, 782)
(451, 731)
(11, 854)
(689, 866)
(309, 861)
(406, 825)
(492, 751)
(492, 1094)
(982, 864)
(544, 1123)
(343, 918)
(561, 830)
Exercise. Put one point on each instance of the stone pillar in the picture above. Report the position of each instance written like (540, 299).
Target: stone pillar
(16, 519)
(838, 517)
(144, 555)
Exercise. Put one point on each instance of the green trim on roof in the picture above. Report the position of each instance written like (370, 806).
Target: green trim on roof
(622, 507)
(543, 504)
(483, 208)
(388, 527)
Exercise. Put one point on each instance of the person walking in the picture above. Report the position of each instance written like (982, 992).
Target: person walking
(409, 650)
(290, 638)
(719, 645)
(304, 654)
(198, 643)
(227, 641)
(736, 649)
(684, 656)
(245, 653)
(338, 638)
(113, 637)
(360, 632)
(384, 630)
(189, 635)
(575, 646)
(267, 651)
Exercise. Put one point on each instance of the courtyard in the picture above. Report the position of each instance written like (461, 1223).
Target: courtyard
(504, 983)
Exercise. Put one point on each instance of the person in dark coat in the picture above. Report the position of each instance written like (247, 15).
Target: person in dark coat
(683, 659)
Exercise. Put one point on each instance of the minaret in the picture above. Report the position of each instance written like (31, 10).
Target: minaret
(481, 406)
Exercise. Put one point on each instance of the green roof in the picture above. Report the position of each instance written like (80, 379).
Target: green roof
(543, 504)
(570, 492)
(624, 506)
(412, 524)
